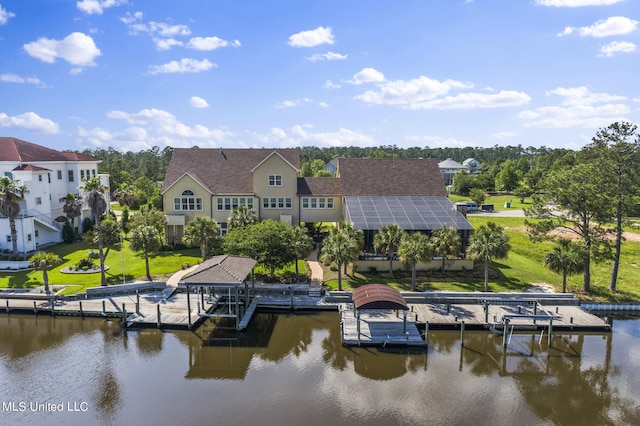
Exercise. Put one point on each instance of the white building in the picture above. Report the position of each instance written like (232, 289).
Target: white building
(49, 176)
(449, 168)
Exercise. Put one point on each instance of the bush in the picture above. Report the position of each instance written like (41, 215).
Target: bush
(68, 234)
(373, 270)
(87, 224)
(85, 264)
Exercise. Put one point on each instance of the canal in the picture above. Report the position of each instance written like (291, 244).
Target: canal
(293, 370)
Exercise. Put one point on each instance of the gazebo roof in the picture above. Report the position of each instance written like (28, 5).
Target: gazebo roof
(378, 296)
(221, 270)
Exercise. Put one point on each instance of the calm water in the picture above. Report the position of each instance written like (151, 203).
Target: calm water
(294, 371)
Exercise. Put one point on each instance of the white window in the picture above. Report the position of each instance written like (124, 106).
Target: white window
(231, 203)
(275, 180)
(82, 175)
(38, 200)
(187, 202)
(277, 202)
(317, 203)
(224, 228)
(8, 238)
(59, 174)
(39, 178)
(70, 173)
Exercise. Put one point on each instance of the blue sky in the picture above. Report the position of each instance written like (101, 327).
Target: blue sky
(133, 74)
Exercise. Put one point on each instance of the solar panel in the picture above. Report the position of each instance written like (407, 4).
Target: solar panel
(410, 213)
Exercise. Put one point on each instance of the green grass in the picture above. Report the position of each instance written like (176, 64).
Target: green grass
(497, 201)
(522, 269)
(162, 265)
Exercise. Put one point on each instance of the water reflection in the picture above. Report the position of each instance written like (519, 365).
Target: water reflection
(294, 370)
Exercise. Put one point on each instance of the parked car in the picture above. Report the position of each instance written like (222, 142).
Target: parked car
(472, 206)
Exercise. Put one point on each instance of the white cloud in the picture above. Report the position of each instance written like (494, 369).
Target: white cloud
(167, 43)
(91, 7)
(613, 26)
(576, 3)
(152, 28)
(428, 93)
(5, 16)
(331, 85)
(210, 43)
(185, 65)
(618, 47)
(198, 102)
(582, 96)
(367, 75)
(293, 103)
(504, 98)
(402, 92)
(302, 134)
(504, 135)
(438, 141)
(578, 107)
(329, 56)
(76, 48)
(311, 38)
(31, 121)
(153, 126)
(13, 78)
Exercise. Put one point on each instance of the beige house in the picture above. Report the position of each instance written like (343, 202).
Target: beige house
(368, 192)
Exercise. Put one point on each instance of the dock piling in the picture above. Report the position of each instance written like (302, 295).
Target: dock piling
(462, 333)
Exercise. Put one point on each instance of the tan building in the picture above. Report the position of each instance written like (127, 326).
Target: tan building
(368, 192)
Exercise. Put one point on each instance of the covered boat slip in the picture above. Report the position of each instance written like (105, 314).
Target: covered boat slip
(378, 317)
(223, 279)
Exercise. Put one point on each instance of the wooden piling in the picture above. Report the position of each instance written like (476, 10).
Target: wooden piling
(158, 321)
(81, 313)
(462, 333)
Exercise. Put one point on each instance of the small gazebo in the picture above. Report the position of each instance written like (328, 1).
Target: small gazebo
(224, 273)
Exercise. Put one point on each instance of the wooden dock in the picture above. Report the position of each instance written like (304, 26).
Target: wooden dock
(378, 328)
(475, 316)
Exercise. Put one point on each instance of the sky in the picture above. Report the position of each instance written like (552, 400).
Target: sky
(133, 74)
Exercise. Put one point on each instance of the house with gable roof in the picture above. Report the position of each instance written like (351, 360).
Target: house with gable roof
(49, 176)
(369, 192)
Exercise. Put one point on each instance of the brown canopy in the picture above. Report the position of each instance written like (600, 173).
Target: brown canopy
(378, 296)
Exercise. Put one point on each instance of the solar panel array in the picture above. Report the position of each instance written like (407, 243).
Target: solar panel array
(410, 213)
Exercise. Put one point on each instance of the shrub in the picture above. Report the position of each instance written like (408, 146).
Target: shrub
(373, 270)
(85, 264)
(186, 265)
(87, 224)
(68, 234)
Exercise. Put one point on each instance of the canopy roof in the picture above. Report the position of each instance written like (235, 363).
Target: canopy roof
(378, 296)
(220, 271)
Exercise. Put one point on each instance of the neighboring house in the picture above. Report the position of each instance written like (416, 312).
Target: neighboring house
(449, 168)
(368, 192)
(472, 164)
(331, 166)
(49, 175)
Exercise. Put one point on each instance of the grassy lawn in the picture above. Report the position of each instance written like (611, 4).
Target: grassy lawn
(162, 265)
(523, 268)
(497, 201)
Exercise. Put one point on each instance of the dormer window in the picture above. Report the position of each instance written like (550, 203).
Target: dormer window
(187, 202)
(275, 180)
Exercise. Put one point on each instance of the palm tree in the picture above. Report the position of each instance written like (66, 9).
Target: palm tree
(72, 207)
(351, 232)
(414, 248)
(203, 232)
(145, 238)
(567, 258)
(45, 260)
(242, 216)
(125, 194)
(337, 249)
(302, 244)
(445, 242)
(11, 193)
(387, 240)
(98, 205)
(487, 243)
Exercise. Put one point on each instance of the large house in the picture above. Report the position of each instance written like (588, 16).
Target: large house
(368, 192)
(49, 176)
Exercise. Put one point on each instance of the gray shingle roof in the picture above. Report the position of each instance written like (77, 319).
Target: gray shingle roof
(390, 177)
(221, 270)
(223, 171)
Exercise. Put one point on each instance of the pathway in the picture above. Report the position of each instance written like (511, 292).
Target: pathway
(316, 269)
